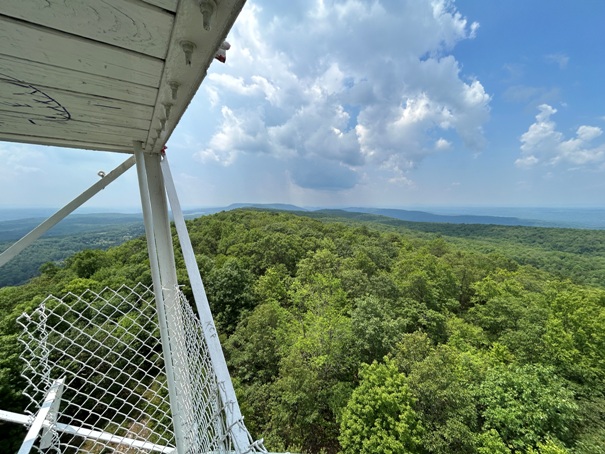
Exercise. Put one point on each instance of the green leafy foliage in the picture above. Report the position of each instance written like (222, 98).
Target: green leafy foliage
(74, 234)
(526, 405)
(364, 335)
(379, 418)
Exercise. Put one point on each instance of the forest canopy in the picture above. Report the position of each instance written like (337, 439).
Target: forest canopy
(365, 337)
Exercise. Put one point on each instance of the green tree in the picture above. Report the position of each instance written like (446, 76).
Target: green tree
(442, 385)
(273, 285)
(379, 418)
(379, 324)
(88, 262)
(254, 353)
(230, 293)
(315, 381)
(526, 405)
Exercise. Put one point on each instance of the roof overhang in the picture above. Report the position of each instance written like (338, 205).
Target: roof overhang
(99, 75)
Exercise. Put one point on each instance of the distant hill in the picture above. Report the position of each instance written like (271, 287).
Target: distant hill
(536, 217)
(404, 215)
(266, 206)
(103, 230)
(423, 216)
(195, 212)
(72, 234)
(578, 254)
(71, 225)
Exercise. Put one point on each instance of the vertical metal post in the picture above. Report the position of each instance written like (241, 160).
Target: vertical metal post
(154, 260)
(168, 276)
(53, 415)
(227, 392)
(161, 222)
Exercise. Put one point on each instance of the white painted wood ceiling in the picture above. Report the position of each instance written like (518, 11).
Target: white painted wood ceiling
(100, 74)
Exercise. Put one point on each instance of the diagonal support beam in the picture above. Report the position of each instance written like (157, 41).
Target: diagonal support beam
(227, 392)
(36, 233)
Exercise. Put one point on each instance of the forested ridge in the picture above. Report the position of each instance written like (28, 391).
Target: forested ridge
(576, 254)
(73, 234)
(360, 337)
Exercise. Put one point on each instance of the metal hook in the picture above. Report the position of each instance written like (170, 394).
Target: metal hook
(174, 88)
(167, 109)
(207, 8)
(188, 47)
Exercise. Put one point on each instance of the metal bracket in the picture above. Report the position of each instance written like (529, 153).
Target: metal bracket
(49, 410)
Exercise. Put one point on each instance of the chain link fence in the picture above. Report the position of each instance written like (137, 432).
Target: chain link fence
(107, 347)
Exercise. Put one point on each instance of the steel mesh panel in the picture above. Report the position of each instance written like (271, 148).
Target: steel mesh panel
(200, 407)
(107, 347)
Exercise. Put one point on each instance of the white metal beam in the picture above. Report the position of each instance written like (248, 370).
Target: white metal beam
(36, 233)
(11, 416)
(52, 416)
(154, 261)
(168, 276)
(53, 393)
(88, 434)
(227, 392)
(98, 435)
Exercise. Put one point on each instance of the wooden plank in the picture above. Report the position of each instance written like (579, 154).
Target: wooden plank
(128, 24)
(169, 5)
(39, 117)
(64, 143)
(89, 84)
(19, 39)
(40, 102)
(18, 124)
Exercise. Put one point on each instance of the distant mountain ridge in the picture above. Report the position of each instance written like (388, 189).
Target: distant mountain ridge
(102, 230)
(268, 206)
(14, 228)
(423, 216)
(404, 215)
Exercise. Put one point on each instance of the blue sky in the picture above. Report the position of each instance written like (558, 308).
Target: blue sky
(387, 103)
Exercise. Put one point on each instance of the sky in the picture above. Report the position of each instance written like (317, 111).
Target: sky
(385, 103)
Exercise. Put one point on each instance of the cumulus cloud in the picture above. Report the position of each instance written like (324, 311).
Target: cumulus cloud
(322, 174)
(527, 161)
(238, 133)
(344, 85)
(543, 143)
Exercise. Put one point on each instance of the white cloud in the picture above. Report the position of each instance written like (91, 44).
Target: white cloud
(559, 59)
(18, 161)
(239, 133)
(527, 161)
(442, 144)
(588, 133)
(349, 83)
(543, 143)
